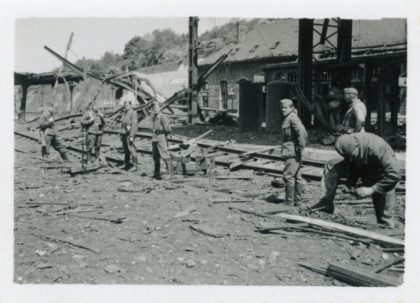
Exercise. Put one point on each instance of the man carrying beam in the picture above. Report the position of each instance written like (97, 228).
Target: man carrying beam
(161, 129)
(369, 157)
(93, 122)
(294, 138)
(129, 125)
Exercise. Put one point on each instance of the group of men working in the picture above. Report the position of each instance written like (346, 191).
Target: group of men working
(365, 156)
(93, 123)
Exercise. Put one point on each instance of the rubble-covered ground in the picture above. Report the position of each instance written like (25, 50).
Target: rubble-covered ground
(113, 226)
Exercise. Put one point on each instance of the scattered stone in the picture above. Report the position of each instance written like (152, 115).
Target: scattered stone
(40, 252)
(385, 256)
(113, 269)
(43, 265)
(190, 263)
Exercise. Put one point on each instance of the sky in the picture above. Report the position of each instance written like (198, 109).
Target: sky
(92, 37)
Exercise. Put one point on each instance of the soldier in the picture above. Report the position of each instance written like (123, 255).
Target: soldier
(48, 133)
(93, 122)
(161, 129)
(294, 140)
(369, 157)
(354, 119)
(129, 122)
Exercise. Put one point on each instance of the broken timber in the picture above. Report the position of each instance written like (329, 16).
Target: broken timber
(378, 238)
(50, 238)
(358, 277)
(247, 156)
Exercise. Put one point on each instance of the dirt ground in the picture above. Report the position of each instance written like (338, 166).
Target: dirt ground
(112, 226)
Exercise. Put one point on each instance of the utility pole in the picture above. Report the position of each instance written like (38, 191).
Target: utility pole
(193, 70)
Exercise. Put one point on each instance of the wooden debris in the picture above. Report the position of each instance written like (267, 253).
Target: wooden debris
(231, 201)
(116, 221)
(247, 156)
(50, 238)
(185, 212)
(389, 264)
(317, 269)
(393, 249)
(381, 239)
(250, 212)
(129, 190)
(84, 170)
(208, 231)
(358, 277)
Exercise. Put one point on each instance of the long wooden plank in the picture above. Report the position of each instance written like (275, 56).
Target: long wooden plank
(381, 239)
(359, 277)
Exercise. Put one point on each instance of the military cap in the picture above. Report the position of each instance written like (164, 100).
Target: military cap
(351, 90)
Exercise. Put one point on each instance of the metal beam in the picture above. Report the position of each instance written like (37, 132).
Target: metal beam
(305, 52)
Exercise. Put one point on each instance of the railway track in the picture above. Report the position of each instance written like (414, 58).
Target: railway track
(265, 163)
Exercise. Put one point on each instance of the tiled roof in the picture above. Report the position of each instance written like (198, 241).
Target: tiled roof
(280, 39)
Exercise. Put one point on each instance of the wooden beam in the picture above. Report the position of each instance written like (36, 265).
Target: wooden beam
(359, 277)
(378, 238)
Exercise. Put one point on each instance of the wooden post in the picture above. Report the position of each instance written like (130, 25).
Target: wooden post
(344, 39)
(394, 88)
(25, 87)
(381, 101)
(367, 80)
(193, 70)
(305, 65)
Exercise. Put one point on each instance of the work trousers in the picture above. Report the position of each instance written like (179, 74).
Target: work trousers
(93, 146)
(156, 152)
(337, 169)
(292, 178)
(129, 150)
(55, 142)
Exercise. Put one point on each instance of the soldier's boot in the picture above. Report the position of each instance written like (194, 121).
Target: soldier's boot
(156, 173)
(384, 207)
(134, 167)
(324, 205)
(168, 164)
(299, 195)
(44, 153)
(290, 194)
(127, 164)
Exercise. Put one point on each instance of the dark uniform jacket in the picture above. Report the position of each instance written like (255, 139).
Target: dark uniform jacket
(376, 162)
(93, 122)
(46, 123)
(129, 123)
(293, 134)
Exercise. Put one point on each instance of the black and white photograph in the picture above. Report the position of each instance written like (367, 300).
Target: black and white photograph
(202, 154)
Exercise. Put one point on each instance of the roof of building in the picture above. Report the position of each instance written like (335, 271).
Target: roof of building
(280, 39)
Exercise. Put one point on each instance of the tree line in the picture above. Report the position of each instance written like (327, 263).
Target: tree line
(164, 46)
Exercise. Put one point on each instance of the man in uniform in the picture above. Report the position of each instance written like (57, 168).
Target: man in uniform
(93, 122)
(161, 129)
(294, 140)
(369, 157)
(354, 119)
(49, 135)
(129, 123)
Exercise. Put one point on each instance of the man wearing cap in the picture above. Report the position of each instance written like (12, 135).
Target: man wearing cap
(93, 122)
(293, 141)
(161, 129)
(369, 157)
(48, 133)
(129, 125)
(354, 118)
